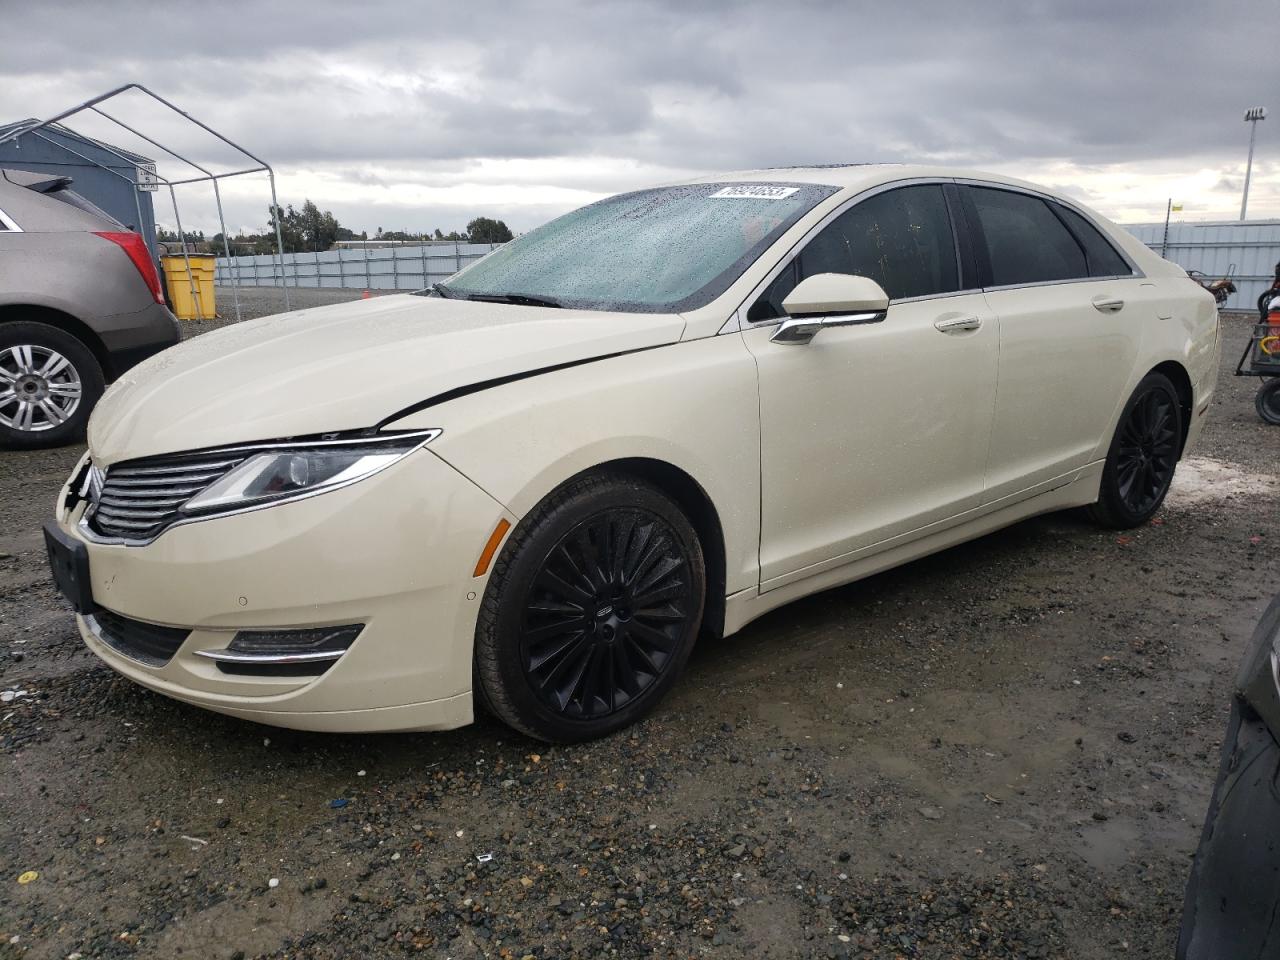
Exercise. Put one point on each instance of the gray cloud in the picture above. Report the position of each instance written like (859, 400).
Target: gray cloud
(384, 92)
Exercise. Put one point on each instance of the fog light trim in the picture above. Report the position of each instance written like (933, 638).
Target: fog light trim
(304, 652)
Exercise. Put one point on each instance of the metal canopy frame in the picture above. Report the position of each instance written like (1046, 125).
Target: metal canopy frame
(35, 128)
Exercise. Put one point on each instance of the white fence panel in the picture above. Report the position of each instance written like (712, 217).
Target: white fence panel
(409, 267)
(1247, 252)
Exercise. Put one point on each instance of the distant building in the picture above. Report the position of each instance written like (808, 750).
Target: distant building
(59, 152)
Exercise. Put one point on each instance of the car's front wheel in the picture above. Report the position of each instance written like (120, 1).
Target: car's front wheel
(49, 382)
(1143, 455)
(591, 611)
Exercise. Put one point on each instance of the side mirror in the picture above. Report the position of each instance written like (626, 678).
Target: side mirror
(830, 300)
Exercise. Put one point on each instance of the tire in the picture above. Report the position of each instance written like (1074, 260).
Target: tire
(1264, 303)
(49, 383)
(1268, 401)
(561, 654)
(1142, 457)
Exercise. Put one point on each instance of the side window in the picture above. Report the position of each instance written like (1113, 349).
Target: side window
(1103, 259)
(901, 238)
(1026, 243)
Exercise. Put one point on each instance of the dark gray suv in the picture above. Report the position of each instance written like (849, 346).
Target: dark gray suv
(80, 303)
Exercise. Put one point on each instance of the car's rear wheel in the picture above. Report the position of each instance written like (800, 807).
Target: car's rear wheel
(1143, 455)
(49, 382)
(591, 611)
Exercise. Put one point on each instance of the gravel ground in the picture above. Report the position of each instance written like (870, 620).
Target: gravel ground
(1004, 750)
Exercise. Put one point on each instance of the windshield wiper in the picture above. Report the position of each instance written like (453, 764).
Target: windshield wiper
(522, 299)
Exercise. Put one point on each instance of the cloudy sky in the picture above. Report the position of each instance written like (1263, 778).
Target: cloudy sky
(421, 115)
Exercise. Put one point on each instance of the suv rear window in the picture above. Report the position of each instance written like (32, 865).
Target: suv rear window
(71, 198)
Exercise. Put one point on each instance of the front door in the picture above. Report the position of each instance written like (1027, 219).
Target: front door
(871, 432)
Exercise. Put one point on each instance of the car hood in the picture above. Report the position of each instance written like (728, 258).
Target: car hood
(344, 367)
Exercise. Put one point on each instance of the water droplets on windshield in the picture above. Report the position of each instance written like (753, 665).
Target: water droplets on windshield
(662, 250)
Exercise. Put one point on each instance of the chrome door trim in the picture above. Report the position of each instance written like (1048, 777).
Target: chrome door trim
(733, 324)
(9, 225)
(1050, 283)
(796, 331)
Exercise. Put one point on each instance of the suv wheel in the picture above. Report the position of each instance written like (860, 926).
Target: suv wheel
(49, 382)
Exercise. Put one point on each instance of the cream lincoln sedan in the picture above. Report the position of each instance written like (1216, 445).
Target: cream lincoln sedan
(662, 415)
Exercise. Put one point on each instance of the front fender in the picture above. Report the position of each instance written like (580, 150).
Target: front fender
(694, 405)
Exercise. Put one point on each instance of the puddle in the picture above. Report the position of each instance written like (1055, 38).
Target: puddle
(1204, 479)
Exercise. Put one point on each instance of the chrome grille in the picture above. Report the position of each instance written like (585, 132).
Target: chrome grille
(140, 498)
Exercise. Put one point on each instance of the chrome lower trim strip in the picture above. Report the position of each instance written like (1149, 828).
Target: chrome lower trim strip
(228, 656)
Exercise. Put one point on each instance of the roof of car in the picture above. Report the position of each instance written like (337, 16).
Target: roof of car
(859, 175)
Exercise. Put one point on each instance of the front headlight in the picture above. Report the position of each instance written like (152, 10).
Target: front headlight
(288, 473)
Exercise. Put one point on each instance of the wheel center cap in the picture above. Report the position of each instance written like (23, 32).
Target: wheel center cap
(31, 387)
(604, 611)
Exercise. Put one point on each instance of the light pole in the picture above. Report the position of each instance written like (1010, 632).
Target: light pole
(1251, 117)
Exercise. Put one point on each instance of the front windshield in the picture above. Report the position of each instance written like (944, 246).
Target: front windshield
(661, 250)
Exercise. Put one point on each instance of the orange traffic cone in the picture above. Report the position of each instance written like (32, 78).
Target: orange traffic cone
(366, 295)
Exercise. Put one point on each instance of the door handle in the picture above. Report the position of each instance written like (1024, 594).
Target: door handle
(1107, 304)
(957, 324)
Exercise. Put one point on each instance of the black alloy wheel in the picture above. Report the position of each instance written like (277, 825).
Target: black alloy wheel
(604, 616)
(1143, 455)
(1148, 451)
(591, 610)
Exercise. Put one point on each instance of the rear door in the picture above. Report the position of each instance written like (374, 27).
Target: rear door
(1069, 308)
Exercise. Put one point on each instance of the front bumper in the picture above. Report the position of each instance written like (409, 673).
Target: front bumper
(394, 552)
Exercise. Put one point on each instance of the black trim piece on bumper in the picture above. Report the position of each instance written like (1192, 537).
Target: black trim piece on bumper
(147, 643)
(122, 361)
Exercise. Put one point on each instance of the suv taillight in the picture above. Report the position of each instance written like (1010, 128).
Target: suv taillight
(133, 245)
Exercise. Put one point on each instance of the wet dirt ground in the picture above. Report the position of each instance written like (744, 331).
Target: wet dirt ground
(1004, 750)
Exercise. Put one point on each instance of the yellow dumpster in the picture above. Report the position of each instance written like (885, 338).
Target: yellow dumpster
(186, 306)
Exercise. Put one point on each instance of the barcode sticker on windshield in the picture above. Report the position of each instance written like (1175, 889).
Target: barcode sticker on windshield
(754, 191)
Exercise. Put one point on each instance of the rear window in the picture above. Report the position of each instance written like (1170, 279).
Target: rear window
(1103, 259)
(71, 198)
(1025, 241)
